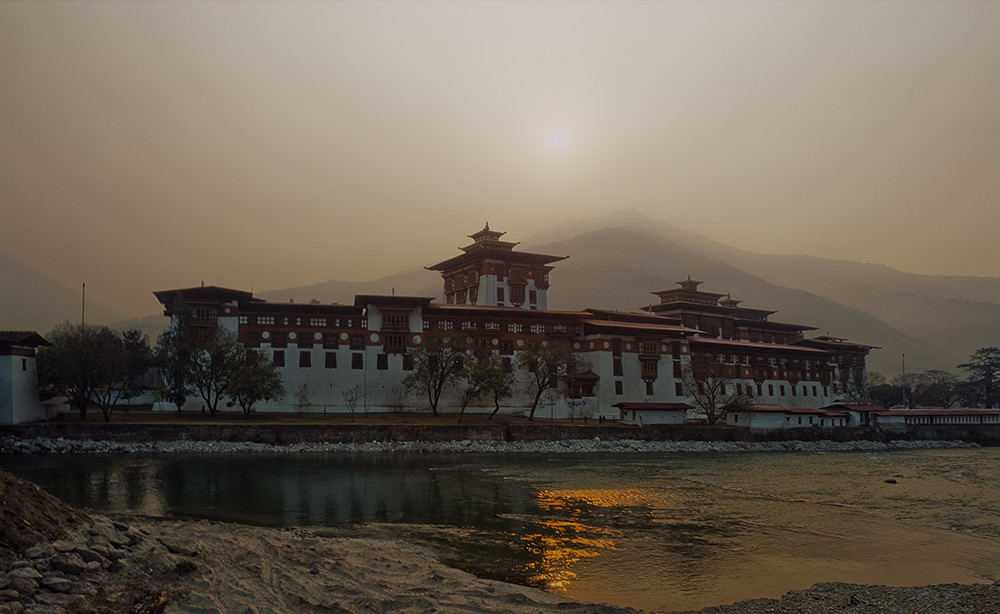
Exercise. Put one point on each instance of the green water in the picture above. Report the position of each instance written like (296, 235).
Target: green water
(651, 531)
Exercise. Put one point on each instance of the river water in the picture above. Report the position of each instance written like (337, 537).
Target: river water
(651, 531)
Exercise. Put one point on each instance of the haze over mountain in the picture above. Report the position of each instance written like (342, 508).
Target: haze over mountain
(31, 300)
(615, 261)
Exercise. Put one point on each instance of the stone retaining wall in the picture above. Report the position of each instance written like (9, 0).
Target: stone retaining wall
(988, 435)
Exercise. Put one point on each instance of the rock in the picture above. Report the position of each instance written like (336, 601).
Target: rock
(29, 573)
(9, 594)
(56, 584)
(115, 538)
(24, 586)
(4, 580)
(70, 563)
(91, 556)
(20, 564)
(39, 608)
(890, 481)
(11, 608)
(63, 546)
(39, 552)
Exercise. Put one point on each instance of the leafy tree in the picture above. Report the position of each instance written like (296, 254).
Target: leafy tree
(934, 388)
(138, 360)
(111, 371)
(543, 366)
(173, 358)
(213, 366)
(68, 366)
(436, 365)
(983, 378)
(713, 394)
(483, 375)
(256, 379)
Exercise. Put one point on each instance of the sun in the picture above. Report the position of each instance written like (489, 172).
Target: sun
(558, 140)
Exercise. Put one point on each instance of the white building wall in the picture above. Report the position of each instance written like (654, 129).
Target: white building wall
(19, 390)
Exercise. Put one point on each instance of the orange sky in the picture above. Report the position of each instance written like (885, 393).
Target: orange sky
(156, 144)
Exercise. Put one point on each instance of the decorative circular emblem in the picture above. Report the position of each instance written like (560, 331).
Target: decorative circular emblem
(591, 345)
(468, 339)
(606, 345)
(663, 348)
(628, 346)
(265, 335)
(416, 339)
(520, 343)
(343, 336)
(318, 336)
(229, 310)
(496, 341)
(684, 349)
(374, 337)
(292, 336)
(576, 346)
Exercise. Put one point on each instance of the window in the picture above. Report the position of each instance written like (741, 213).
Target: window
(278, 340)
(617, 366)
(279, 358)
(317, 322)
(396, 320)
(467, 325)
(678, 389)
(770, 390)
(507, 348)
(814, 390)
(619, 388)
(407, 362)
(616, 347)
(357, 360)
(330, 342)
(244, 319)
(357, 342)
(492, 326)
(649, 389)
(305, 340)
(500, 296)
(760, 389)
(265, 320)
(251, 338)
(382, 362)
(532, 296)
(395, 344)
(537, 329)
(781, 388)
(305, 359)
(517, 295)
(722, 389)
(793, 390)
(24, 364)
(331, 360)
(508, 364)
(514, 327)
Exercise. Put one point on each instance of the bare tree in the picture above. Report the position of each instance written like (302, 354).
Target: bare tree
(435, 366)
(544, 365)
(712, 393)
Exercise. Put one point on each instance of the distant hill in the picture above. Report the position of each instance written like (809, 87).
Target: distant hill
(949, 316)
(31, 300)
(412, 282)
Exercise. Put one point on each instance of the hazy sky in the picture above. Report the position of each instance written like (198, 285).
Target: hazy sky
(149, 145)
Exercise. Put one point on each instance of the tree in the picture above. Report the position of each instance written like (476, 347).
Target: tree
(703, 379)
(351, 398)
(500, 384)
(983, 377)
(256, 379)
(544, 365)
(213, 367)
(68, 366)
(934, 388)
(435, 366)
(122, 363)
(481, 375)
(173, 358)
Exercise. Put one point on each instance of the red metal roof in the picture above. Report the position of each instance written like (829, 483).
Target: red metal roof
(664, 328)
(653, 406)
(24, 338)
(755, 345)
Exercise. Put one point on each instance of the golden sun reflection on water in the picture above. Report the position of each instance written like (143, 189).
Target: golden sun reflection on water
(565, 538)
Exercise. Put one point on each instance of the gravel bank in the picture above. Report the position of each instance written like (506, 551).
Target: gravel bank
(13, 445)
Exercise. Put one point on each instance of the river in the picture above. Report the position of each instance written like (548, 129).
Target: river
(651, 531)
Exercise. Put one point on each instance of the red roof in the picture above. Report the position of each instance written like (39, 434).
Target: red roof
(757, 346)
(936, 411)
(24, 338)
(653, 406)
(639, 326)
(765, 407)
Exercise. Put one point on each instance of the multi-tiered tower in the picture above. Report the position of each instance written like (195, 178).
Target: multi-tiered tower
(489, 272)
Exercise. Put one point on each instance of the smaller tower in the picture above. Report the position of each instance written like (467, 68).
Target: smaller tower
(489, 272)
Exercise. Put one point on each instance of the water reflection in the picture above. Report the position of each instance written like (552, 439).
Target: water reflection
(649, 531)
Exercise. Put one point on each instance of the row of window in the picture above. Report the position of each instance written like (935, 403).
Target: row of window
(330, 360)
(315, 322)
